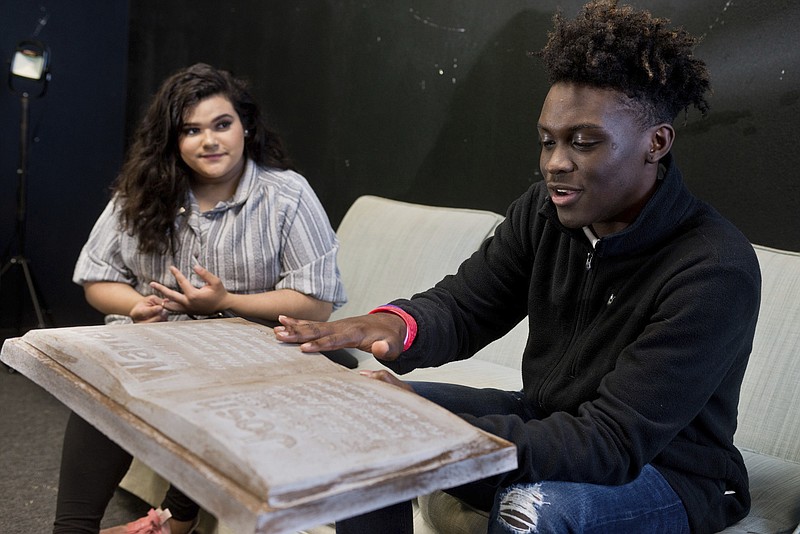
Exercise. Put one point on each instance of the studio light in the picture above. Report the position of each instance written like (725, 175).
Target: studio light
(30, 60)
(30, 68)
(28, 76)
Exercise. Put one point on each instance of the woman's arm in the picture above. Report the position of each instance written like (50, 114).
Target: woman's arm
(120, 298)
(280, 302)
(213, 297)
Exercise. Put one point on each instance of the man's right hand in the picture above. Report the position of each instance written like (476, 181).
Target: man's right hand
(381, 334)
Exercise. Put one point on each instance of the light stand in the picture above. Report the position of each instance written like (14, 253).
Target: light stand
(28, 75)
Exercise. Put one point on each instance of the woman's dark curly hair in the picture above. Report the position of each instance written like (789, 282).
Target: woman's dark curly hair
(154, 181)
(632, 52)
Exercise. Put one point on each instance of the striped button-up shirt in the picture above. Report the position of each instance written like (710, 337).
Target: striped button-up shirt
(272, 234)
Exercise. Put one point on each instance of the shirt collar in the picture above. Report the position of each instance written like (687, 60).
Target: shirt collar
(593, 239)
(239, 197)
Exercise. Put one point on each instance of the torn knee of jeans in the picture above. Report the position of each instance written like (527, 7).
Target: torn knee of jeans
(519, 507)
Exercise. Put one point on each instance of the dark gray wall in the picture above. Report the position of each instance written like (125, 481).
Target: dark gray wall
(432, 102)
(77, 141)
(436, 101)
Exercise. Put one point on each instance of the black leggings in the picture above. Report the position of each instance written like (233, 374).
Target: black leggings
(92, 467)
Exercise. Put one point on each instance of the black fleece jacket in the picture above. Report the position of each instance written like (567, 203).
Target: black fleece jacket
(636, 349)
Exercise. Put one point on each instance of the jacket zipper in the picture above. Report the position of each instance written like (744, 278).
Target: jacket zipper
(581, 318)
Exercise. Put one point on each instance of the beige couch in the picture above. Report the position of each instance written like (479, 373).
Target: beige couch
(392, 249)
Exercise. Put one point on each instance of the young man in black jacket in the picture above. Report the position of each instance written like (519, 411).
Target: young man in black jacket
(641, 300)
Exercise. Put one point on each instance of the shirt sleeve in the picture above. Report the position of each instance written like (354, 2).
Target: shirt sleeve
(100, 259)
(310, 247)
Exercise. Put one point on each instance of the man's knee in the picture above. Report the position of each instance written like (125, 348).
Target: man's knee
(519, 508)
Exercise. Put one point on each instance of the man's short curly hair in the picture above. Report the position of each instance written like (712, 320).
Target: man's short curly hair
(628, 50)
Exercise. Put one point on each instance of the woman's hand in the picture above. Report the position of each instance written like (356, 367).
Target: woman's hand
(382, 334)
(204, 300)
(149, 310)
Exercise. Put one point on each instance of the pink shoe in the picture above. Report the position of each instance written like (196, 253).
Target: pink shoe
(155, 522)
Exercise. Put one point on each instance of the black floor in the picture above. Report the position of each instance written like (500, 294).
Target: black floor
(31, 430)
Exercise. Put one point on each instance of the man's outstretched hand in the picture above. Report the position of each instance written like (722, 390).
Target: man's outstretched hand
(381, 334)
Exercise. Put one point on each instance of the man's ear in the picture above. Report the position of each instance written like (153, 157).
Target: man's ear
(661, 139)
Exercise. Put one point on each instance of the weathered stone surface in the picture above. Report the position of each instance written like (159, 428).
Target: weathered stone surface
(264, 436)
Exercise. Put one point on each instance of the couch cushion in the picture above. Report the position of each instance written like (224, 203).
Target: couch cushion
(769, 418)
(473, 372)
(391, 249)
(775, 490)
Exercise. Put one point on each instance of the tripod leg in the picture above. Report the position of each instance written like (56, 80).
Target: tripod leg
(7, 266)
(32, 290)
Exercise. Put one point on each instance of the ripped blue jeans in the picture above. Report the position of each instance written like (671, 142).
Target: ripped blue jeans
(647, 504)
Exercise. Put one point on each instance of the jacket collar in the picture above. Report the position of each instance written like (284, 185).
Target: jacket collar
(661, 216)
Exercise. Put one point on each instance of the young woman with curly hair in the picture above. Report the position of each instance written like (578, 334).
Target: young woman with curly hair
(207, 217)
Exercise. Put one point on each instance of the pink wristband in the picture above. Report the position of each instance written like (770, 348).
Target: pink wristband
(411, 323)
